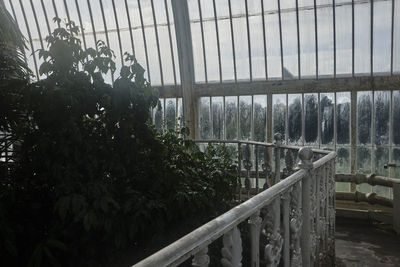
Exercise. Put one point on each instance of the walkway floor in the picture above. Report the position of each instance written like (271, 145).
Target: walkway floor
(366, 245)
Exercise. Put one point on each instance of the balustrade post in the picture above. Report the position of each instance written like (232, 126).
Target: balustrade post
(273, 250)
(285, 228)
(305, 155)
(232, 249)
(201, 258)
(295, 225)
(278, 142)
(396, 207)
(255, 229)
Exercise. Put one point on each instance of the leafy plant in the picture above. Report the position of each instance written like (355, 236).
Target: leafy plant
(91, 176)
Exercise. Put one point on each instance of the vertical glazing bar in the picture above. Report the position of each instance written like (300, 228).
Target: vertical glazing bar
(352, 38)
(316, 38)
(91, 20)
(277, 150)
(238, 118)
(298, 38)
(280, 36)
(66, 10)
(202, 41)
(233, 40)
(240, 171)
(303, 121)
(218, 45)
(319, 120)
(334, 122)
(56, 12)
(106, 31)
(334, 38)
(264, 40)
(248, 39)
(391, 133)
(118, 32)
(30, 39)
(224, 122)
(37, 24)
(144, 40)
(269, 118)
(157, 42)
(392, 39)
(372, 38)
(257, 173)
(170, 42)
(210, 114)
(353, 136)
(372, 137)
(81, 24)
(287, 119)
(16, 21)
(46, 17)
(286, 229)
(130, 27)
(252, 119)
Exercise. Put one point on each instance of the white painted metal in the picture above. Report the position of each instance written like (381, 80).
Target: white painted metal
(282, 237)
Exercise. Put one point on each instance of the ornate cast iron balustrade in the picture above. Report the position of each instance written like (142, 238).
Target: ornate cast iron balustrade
(292, 221)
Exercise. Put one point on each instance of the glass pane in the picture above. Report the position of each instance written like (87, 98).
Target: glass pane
(343, 160)
(311, 118)
(325, 41)
(396, 158)
(231, 117)
(382, 102)
(396, 117)
(210, 40)
(381, 158)
(240, 35)
(364, 114)
(343, 40)
(382, 36)
(364, 166)
(170, 113)
(327, 119)
(217, 111)
(256, 40)
(343, 118)
(260, 117)
(224, 30)
(295, 119)
(279, 114)
(180, 113)
(158, 116)
(289, 42)
(307, 43)
(245, 117)
(204, 118)
(362, 38)
(273, 45)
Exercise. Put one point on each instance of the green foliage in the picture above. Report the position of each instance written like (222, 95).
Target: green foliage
(90, 175)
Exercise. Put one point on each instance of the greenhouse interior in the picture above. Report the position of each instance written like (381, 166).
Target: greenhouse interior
(200, 133)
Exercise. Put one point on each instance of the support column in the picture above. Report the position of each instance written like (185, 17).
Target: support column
(186, 66)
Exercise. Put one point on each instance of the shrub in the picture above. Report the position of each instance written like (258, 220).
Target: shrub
(91, 176)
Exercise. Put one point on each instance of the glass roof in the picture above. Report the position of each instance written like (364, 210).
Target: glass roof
(233, 40)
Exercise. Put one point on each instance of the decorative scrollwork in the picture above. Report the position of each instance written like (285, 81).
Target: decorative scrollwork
(289, 163)
(232, 249)
(247, 165)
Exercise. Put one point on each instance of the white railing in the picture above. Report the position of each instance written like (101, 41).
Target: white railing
(292, 221)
